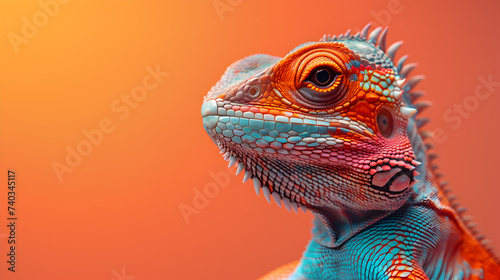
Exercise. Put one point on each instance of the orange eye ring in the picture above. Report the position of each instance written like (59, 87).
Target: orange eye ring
(326, 63)
(323, 79)
(320, 79)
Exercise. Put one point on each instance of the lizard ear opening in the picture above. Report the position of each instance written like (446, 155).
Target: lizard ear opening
(385, 123)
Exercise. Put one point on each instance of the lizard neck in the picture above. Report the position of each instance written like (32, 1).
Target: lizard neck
(334, 226)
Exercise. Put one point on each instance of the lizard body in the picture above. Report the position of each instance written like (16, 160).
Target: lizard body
(333, 127)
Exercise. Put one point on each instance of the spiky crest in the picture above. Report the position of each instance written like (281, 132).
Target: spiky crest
(378, 39)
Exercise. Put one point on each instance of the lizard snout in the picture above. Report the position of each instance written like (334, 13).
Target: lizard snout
(209, 113)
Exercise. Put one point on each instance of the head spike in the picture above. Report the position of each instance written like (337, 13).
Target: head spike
(398, 94)
(267, 194)
(256, 184)
(327, 38)
(382, 39)
(407, 112)
(364, 31)
(422, 121)
(247, 176)
(429, 146)
(432, 157)
(373, 38)
(277, 198)
(414, 81)
(232, 161)
(400, 82)
(422, 105)
(391, 51)
(405, 71)
(485, 243)
(241, 166)
(401, 62)
(416, 95)
(426, 134)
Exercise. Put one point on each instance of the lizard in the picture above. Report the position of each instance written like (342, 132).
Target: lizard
(334, 127)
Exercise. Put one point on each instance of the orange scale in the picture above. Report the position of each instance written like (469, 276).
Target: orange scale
(361, 95)
(352, 114)
(269, 87)
(372, 97)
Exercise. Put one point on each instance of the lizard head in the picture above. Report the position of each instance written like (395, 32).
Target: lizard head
(323, 128)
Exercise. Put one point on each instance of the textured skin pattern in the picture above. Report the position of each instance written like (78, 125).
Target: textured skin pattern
(332, 127)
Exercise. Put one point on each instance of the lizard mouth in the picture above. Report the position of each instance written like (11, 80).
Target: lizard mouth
(394, 181)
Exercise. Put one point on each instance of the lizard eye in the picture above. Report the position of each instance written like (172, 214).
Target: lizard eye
(322, 87)
(320, 80)
(322, 77)
(385, 122)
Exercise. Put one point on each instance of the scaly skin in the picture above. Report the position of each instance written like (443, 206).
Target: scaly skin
(331, 127)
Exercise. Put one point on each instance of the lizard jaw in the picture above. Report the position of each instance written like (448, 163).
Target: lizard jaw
(230, 156)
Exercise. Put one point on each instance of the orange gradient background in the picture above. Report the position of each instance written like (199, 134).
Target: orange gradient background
(119, 208)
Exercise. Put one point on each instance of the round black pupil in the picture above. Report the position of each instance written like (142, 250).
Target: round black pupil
(384, 121)
(322, 76)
